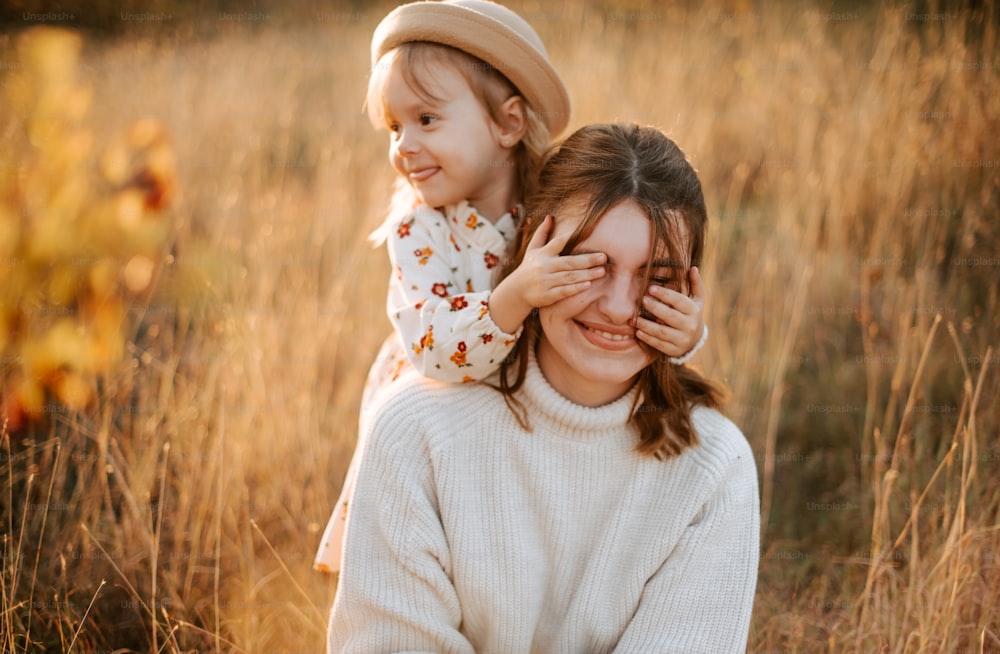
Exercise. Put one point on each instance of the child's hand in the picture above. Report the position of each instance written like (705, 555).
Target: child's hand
(679, 320)
(544, 277)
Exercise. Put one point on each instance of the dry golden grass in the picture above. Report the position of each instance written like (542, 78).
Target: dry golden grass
(849, 169)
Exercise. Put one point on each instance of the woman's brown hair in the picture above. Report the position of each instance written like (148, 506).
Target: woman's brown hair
(595, 169)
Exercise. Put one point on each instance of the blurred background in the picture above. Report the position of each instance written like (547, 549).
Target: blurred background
(188, 304)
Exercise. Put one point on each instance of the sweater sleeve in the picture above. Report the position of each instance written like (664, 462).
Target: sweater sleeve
(444, 323)
(700, 600)
(394, 593)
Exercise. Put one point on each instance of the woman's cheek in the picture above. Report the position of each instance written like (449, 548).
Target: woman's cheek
(565, 309)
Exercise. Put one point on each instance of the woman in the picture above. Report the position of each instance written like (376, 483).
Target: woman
(590, 498)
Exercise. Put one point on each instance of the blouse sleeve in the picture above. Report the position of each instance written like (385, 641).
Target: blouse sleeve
(394, 593)
(700, 600)
(444, 324)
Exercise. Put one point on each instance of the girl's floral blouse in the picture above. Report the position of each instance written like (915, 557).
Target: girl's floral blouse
(443, 269)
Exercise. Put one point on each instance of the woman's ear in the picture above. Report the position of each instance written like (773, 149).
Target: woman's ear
(513, 121)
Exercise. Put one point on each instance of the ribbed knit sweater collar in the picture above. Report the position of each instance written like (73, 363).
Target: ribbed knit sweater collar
(550, 411)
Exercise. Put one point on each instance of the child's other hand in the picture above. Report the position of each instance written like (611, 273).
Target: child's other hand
(544, 277)
(679, 319)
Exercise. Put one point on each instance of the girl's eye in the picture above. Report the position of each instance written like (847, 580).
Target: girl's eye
(427, 119)
(394, 128)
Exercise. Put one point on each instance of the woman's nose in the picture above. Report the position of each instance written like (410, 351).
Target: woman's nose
(619, 298)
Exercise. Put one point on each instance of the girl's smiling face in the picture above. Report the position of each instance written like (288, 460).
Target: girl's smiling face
(587, 350)
(447, 147)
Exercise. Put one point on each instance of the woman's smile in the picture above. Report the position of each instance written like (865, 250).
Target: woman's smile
(609, 338)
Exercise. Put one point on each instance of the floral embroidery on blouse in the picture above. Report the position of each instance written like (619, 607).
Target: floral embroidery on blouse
(458, 358)
(444, 267)
(404, 228)
(426, 341)
(423, 255)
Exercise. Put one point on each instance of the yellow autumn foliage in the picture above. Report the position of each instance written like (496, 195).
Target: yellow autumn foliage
(82, 231)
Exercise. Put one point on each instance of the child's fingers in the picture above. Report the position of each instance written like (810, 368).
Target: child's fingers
(580, 261)
(678, 301)
(565, 284)
(566, 290)
(541, 234)
(557, 243)
(577, 275)
(671, 322)
(663, 338)
(571, 261)
(697, 289)
(668, 315)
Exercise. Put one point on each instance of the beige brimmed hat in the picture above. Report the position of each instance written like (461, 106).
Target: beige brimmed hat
(491, 33)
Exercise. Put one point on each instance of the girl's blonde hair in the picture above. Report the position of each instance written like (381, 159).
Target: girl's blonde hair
(594, 170)
(488, 85)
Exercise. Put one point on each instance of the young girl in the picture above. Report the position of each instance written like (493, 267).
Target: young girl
(470, 99)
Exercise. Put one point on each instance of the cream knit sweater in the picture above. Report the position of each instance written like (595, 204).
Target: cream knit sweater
(467, 534)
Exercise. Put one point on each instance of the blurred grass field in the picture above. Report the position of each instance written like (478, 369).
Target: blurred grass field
(852, 278)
